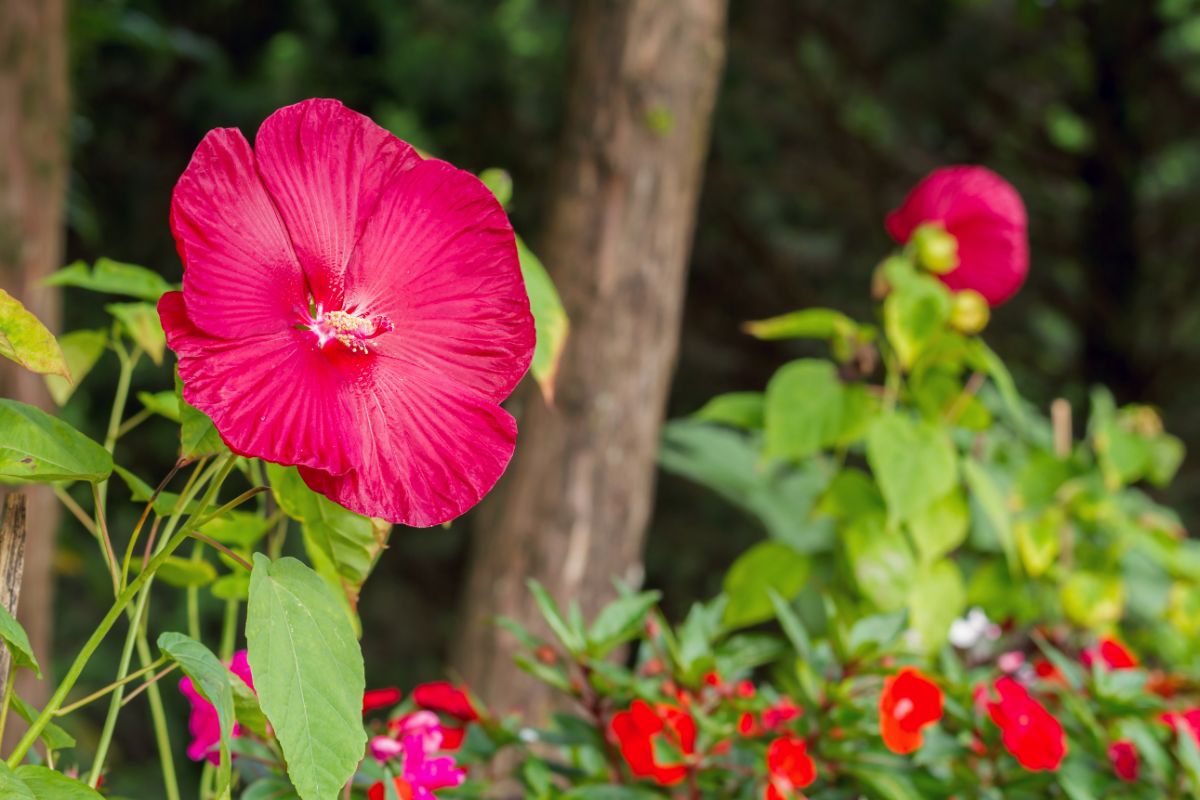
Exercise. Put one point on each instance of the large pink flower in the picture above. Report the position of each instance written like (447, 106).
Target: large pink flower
(985, 215)
(350, 308)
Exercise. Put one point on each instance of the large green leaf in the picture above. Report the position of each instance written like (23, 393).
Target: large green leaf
(765, 568)
(46, 784)
(549, 319)
(141, 322)
(25, 340)
(17, 642)
(914, 463)
(212, 679)
(882, 561)
(12, 787)
(915, 314)
(937, 598)
(803, 409)
(349, 543)
(82, 349)
(992, 518)
(308, 672)
(35, 446)
(112, 277)
(941, 527)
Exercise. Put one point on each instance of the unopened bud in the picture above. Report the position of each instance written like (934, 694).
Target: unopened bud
(935, 248)
(969, 312)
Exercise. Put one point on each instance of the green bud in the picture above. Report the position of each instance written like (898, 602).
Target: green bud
(969, 312)
(935, 248)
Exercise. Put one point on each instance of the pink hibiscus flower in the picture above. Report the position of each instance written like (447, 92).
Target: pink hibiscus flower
(350, 308)
(203, 723)
(985, 215)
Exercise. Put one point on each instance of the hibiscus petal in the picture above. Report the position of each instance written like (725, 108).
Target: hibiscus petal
(272, 396)
(429, 450)
(325, 167)
(240, 274)
(439, 259)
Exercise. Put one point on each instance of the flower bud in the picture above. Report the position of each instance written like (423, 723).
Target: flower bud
(969, 312)
(935, 248)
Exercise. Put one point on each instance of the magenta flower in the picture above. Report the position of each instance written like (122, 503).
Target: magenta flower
(425, 772)
(985, 215)
(350, 308)
(203, 723)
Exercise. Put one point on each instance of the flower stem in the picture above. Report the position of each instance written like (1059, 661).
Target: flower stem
(158, 717)
(8, 693)
(96, 695)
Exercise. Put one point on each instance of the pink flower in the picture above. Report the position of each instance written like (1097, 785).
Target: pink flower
(1189, 720)
(985, 215)
(350, 308)
(203, 723)
(1124, 759)
(384, 748)
(425, 772)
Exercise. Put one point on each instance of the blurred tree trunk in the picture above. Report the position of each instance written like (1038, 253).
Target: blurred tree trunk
(33, 169)
(573, 508)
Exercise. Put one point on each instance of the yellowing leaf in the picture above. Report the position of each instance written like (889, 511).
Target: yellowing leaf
(25, 340)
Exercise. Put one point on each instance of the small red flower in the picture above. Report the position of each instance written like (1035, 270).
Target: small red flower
(1030, 732)
(639, 729)
(379, 791)
(745, 690)
(789, 767)
(1189, 720)
(1124, 759)
(1109, 654)
(985, 215)
(374, 699)
(1048, 672)
(445, 698)
(909, 702)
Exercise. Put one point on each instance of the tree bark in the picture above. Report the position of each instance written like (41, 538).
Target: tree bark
(573, 508)
(33, 159)
(12, 561)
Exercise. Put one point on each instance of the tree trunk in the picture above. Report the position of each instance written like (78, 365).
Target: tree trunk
(573, 508)
(33, 159)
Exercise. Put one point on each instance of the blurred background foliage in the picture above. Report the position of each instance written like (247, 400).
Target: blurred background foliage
(828, 113)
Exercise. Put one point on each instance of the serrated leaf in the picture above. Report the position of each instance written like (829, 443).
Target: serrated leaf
(212, 679)
(81, 349)
(914, 464)
(141, 322)
(112, 277)
(766, 567)
(35, 446)
(17, 641)
(25, 340)
(549, 319)
(308, 672)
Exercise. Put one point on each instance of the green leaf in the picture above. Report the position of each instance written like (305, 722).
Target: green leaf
(269, 789)
(350, 543)
(13, 635)
(246, 708)
(739, 409)
(810, 323)
(25, 340)
(212, 680)
(141, 492)
(82, 349)
(1039, 540)
(993, 508)
(141, 322)
(112, 277)
(609, 792)
(198, 437)
(937, 598)
(240, 529)
(499, 182)
(1166, 455)
(793, 627)
(941, 527)
(914, 463)
(46, 784)
(803, 409)
(12, 787)
(165, 404)
(53, 737)
(308, 672)
(766, 567)
(549, 320)
(35, 446)
(620, 621)
(234, 586)
(915, 314)
(882, 561)
(185, 573)
(889, 785)
(565, 633)
(1093, 600)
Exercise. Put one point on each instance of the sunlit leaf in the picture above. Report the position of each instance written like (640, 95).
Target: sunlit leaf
(25, 340)
(112, 277)
(140, 321)
(82, 349)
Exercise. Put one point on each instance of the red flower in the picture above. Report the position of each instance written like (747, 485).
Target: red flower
(350, 308)
(639, 729)
(379, 791)
(985, 215)
(774, 718)
(1189, 720)
(445, 698)
(789, 767)
(1110, 654)
(909, 702)
(374, 699)
(1030, 732)
(1124, 759)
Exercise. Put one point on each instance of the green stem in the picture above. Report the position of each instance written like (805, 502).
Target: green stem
(166, 546)
(158, 717)
(193, 596)
(128, 362)
(8, 693)
(229, 628)
(96, 695)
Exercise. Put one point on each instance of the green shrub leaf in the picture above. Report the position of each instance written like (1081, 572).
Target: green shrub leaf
(35, 446)
(25, 340)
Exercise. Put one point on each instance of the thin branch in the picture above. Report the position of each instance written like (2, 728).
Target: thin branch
(149, 681)
(211, 542)
(96, 695)
(109, 554)
(75, 509)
